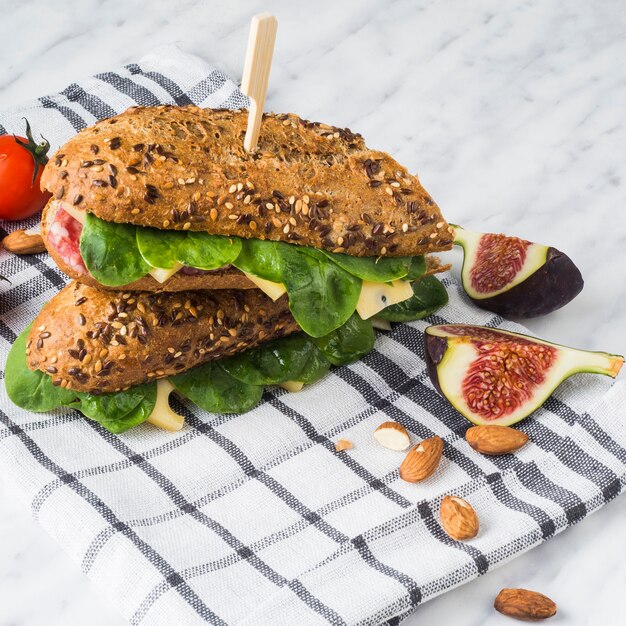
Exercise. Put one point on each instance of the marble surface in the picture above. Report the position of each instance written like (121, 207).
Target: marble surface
(513, 114)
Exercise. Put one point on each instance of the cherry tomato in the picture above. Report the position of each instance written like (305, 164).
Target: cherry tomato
(21, 164)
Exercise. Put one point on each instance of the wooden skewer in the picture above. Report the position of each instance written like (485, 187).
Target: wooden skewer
(256, 72)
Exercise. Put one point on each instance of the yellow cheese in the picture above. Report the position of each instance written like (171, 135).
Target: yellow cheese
(273, 290)
(381, 324)
(292, 385)
(376, 296)
(161, 275)
(77, 214)
(162, 415)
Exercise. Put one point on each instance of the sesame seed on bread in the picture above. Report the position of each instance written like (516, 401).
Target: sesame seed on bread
(103, 341)
(185, 168)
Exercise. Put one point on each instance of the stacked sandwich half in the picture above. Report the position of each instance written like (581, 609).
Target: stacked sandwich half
(200, 268)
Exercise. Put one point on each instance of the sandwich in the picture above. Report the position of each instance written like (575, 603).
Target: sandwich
(166, 199)
(201, 269)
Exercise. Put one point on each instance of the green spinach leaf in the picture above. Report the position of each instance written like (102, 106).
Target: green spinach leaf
(28, 389)
(34, 391)
(110, 252)
(417, 268)
(377, 270)
(322, 296)
(216, 391)
(291, 358)
(349, 342)
(261, 259)
(119, 411)
(164, 249)
(429, 295)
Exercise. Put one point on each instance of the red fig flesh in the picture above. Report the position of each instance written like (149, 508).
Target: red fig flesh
(499, 377)
(512, 276)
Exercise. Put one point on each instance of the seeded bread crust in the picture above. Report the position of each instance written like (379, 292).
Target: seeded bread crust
(98, 341)
(185, 168)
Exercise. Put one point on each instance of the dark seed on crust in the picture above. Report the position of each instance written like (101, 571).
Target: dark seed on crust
(375, 183)
(99, 183)
(81, 319)
(86, 164)
(63, 174)
(115, 143)
(77, 199)
(138, 147)
(113, 182)
(60, 193)
(113, 169)
(94, 148)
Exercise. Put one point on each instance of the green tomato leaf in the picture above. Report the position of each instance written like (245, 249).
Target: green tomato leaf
(163, 248)
(291, 358)
(216, 391)
(377, 270)
(348, 343)
(110, 252)
(28, 389)
(322, 296)
(261, 259)
(429, 295)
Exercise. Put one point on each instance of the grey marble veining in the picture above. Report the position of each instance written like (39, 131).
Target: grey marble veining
(514, 116)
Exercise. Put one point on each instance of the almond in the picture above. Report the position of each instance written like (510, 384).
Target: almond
(20, 242)
(524, 604)
(493, 439)
(458, 518)
(343, 444)
(393, 436)
(422, 460)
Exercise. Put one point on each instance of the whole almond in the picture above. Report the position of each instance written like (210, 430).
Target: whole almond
(422, 460)
(524, 604)
(393, 436)
(458, 518)
(493, 439)
(20, 242)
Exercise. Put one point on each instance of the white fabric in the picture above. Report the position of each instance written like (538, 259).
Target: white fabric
(255, 519)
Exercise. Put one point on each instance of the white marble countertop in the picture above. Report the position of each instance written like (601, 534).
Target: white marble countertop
(514, 119)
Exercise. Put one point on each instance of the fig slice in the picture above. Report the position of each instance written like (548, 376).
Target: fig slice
(514, 277)
(499, 377)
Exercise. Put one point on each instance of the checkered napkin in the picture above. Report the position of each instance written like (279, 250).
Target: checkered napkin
(255, 519)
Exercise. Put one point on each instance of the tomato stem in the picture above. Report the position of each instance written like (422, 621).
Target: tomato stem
(39, 151)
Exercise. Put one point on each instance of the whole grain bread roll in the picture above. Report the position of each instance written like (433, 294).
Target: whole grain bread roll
(102, 341)
(185, 168)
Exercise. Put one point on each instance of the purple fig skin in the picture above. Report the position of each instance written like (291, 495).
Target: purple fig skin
(435, 349)
(557, 282)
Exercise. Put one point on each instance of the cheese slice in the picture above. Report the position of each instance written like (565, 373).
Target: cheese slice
(273, 290)
(376, 296)
(381, 324)
(292, 385)
(161, 275)
(77, 214)
(162, 415)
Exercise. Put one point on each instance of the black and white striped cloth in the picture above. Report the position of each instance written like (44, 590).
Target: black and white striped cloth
(255, 519)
